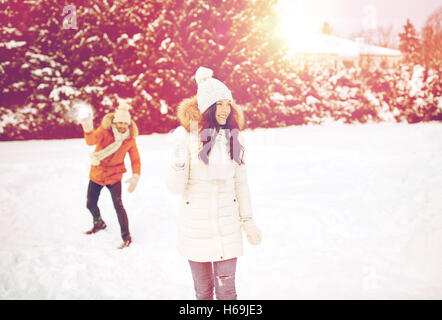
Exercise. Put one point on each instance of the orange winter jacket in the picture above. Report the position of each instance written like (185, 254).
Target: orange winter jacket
(111, 169)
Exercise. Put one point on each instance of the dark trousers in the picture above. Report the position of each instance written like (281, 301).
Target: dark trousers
(93, 193)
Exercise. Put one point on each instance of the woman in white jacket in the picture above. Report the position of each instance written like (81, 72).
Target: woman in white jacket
(209, 171)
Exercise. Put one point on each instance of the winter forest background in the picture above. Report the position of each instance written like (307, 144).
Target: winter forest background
(344, 155)
(146, 52)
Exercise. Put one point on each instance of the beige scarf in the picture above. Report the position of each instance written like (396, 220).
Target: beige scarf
(97, 156)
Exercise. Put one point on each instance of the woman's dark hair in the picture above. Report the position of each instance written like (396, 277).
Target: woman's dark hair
(209, 129)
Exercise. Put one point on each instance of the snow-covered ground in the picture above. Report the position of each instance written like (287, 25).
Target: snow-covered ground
(346, 211)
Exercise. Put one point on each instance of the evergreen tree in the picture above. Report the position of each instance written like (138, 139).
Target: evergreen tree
(235, 39)
(143, 51)
(33, 66)
(45, 66)
(410, 44)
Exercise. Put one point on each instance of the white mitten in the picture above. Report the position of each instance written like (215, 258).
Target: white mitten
(179, 151)
(87, 124)
(254, 235)
(133, 181)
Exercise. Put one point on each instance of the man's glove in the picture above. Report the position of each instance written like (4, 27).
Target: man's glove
(133, 181)
(254, 235)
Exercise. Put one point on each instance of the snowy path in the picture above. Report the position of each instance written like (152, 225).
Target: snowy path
(346, 212)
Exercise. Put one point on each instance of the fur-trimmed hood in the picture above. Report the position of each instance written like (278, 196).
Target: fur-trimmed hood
(188, 111)
(107, 120)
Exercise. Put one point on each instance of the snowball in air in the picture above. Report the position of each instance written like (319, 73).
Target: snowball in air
(84, 110)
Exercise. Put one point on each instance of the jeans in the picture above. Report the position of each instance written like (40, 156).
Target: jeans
(93, 193)
(221, 277)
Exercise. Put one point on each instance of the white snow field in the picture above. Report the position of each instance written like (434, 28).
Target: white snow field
(346, 212)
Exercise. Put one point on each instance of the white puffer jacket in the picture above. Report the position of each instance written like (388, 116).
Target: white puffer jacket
(211, 209)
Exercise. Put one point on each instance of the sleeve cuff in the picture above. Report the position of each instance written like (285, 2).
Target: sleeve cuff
(178, 168)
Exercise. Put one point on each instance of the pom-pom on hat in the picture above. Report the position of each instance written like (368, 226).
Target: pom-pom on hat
(122, 113)
(210, 90)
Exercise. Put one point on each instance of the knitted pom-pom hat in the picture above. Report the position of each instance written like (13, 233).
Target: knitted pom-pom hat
(122, 113)
(210, 90)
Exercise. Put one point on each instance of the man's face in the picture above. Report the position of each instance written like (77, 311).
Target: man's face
(121, 126)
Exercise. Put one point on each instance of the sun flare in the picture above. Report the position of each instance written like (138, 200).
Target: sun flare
(300, 21)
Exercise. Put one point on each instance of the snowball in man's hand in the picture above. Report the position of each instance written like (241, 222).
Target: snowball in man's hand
(84, 110)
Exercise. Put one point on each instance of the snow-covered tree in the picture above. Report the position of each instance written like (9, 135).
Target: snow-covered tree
(147, 52)
(46, 65)
(33, 71)
(410, 44)
(235, 39)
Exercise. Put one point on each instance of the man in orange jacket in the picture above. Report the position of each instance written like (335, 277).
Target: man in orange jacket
(113, 139)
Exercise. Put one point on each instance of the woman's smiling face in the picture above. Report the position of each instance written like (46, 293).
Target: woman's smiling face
(223, 108)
